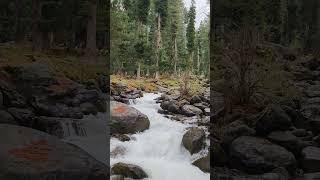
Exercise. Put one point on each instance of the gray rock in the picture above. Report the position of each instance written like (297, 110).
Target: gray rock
(235, 130)
(257, 155)
(195, 99)
(126, 119)
(128, 171)
(273, 118)
(6, 118)
(190, 110)
(24, 117)
(311, 159)
(203, 163)
(194, 139)
(285, 139)
(34, 154)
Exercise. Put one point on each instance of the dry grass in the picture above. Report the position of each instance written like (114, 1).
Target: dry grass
(74, 67)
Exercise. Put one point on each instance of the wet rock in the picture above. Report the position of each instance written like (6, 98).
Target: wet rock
(257, 155)
(200, 106)
(190, 110)
(272, 119)
(24, 117)
(34, 154)
(122, 137)
(118, 151)
(46, 108)
(284, 139)
(311, 159)
(119, 99)
(203, 163)
(235, 130)
(195, 99)
(126, 119)
(300, 132)
(170, 106)
(128, 171)
(194, 139)
(6, 118)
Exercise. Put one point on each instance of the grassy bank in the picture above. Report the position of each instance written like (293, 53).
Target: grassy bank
(74, 66)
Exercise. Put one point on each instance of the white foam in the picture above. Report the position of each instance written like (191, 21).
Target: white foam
(158, 150)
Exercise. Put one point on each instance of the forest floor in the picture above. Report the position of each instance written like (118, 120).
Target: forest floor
(74, 66)
(195, 84)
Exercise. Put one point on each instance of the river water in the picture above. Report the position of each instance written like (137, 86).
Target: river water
(158, 150)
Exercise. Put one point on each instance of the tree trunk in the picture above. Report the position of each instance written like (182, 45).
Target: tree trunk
(198, 61)
(92, 28)
(175, 56)
(158, 45)
(19, 35)
(138, 70)
(37, 35)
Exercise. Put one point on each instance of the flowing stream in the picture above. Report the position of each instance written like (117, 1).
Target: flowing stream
(158, 150)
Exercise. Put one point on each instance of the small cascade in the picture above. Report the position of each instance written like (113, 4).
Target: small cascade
(73, 128)
(132, 101)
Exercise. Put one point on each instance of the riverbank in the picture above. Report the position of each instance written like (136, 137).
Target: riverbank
(50, 124)
(153, 143)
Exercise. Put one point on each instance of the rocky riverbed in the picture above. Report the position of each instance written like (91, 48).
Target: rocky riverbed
(159, 136)
(50, 124)
(280, 142)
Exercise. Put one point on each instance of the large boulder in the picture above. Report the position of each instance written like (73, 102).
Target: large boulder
(194, 139)
(190, 110)
(273, 118)
(170, 106)
(128, 171)
(126, 119)
(235, 130)
(285, 139)
(34, 154)
(257, 155)
(311, 159)
(203, 163)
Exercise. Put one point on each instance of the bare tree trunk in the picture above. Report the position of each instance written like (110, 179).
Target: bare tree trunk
(19, 35)
(92, 28)
(37, 35)
(198, 61)
(139, 70)
(158, 44)
(175, 56)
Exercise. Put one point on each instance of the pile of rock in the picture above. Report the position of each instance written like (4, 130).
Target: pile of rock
(35, 107)
(122, 93)
(181, 108)
(274, 141)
